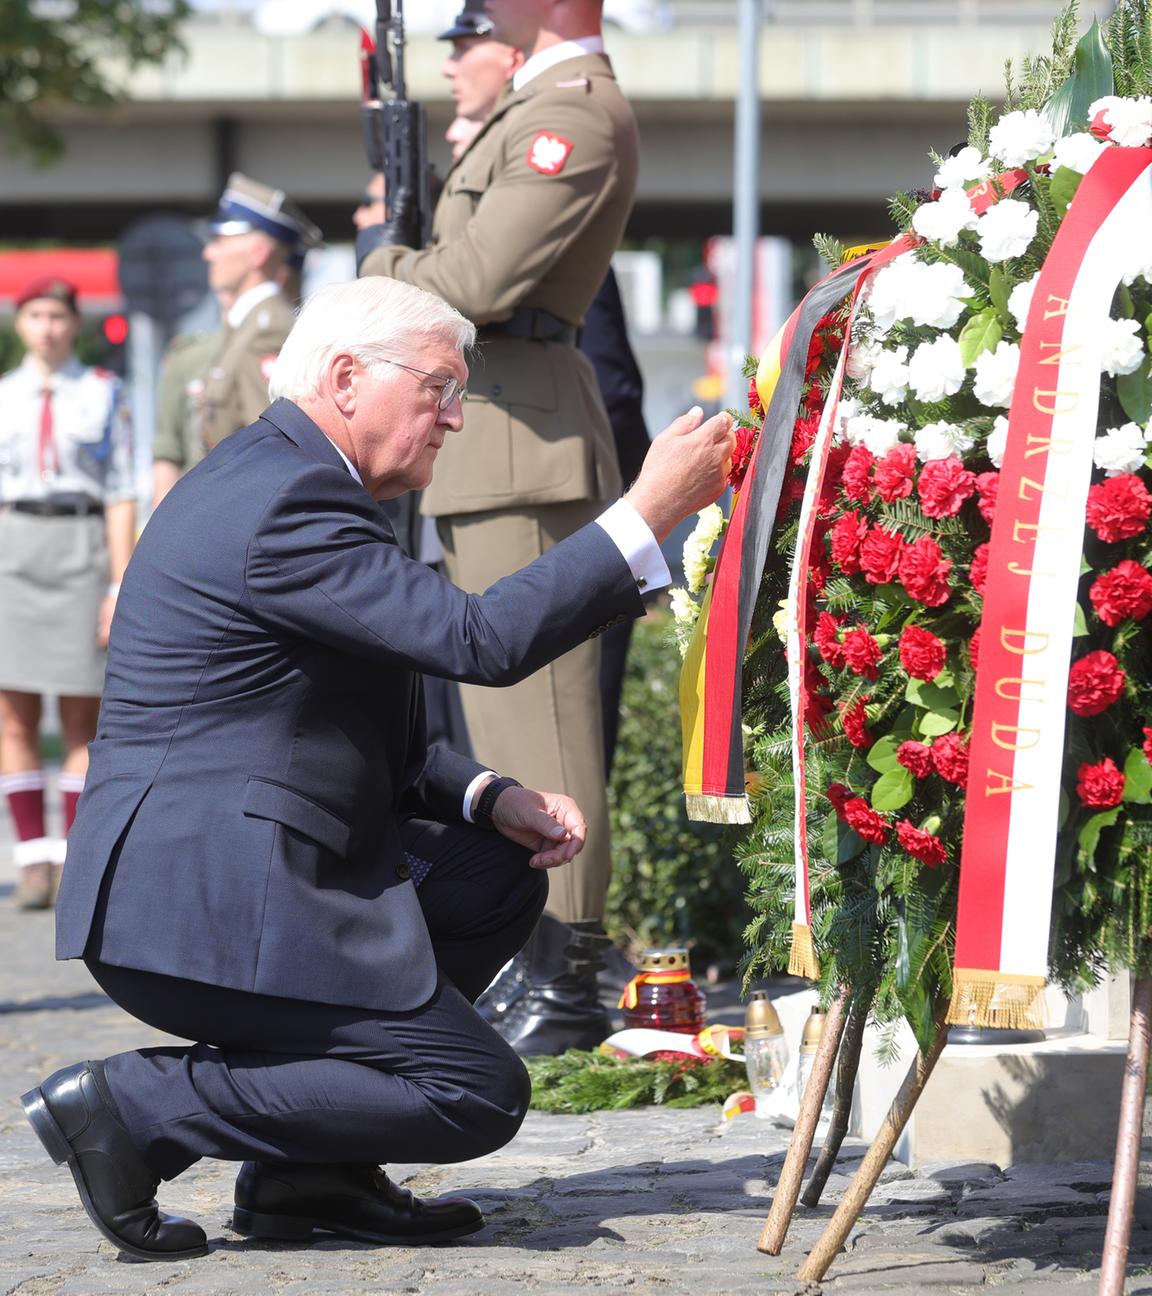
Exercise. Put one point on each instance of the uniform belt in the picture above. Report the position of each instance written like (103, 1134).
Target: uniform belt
(80, 507)
(533, 325)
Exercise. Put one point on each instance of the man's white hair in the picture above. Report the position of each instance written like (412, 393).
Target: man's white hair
(371, 319)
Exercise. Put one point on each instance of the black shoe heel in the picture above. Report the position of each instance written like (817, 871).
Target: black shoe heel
(43, 1122)
(283, 1228)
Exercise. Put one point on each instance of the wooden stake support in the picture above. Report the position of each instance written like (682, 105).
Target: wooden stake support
(1128, 1136)
(846, 1069)
(855, 1199)
(792, 1175)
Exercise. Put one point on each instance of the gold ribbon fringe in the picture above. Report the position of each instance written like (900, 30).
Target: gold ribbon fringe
(802, 958)
(718, 809)
(996, 999)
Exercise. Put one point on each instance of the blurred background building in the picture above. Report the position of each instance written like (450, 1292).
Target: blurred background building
(854, 95)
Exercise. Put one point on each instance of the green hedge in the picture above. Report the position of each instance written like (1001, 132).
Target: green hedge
(673, 881)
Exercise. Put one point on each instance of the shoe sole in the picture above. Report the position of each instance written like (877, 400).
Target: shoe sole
(295, 1228)
(60, 1150)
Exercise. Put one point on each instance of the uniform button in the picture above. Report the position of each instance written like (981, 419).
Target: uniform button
(403, 872)
(497, 389)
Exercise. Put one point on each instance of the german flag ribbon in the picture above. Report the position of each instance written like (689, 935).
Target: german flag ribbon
(1034, 562)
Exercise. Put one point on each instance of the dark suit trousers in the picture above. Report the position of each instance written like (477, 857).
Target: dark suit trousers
(286, 1080)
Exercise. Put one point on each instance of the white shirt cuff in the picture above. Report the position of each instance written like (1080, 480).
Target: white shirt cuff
(638, 546)
(471, 792)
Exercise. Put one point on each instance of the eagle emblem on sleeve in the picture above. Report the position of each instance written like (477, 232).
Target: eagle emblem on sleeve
(548, 153)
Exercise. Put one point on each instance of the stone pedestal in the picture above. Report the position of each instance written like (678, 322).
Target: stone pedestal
(1057, 1100)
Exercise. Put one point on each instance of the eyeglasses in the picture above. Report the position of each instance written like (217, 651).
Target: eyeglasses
(450, 388)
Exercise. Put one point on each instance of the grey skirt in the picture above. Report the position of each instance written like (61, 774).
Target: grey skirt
(53, 577)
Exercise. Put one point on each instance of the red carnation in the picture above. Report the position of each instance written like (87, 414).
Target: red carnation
(754, 398)
(880, 555)
(921, 845)
(950, 757)
(1101, 785)
(856, 474)
(1119, 508)
(1125, 591)
(839, 795)
(803, 434)
(826, 637)
(894, 474)
(837, 458)
(916, 757)
(924, 572)
(943, 487)
(862, 653)
(974, 650)
(978, 572)
(793, 491)
(987, 487)
(741, 456)
(1094, 683)
(1148, 745)
(848, 533)
(921, 654)
(861, 818)
(855, 721)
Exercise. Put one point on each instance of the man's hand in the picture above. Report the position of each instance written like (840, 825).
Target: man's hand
(685, 469)
(548, 823)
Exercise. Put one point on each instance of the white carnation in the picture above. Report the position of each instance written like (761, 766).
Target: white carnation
(1020, 300)
(941, 441)
(966, 167)
(942, 221)
(685, 609)
(1077, 152)
(1006, 229)
(889, 378)
(997, 441)
(889, 292)
(1120, 450)
(1123, 347)
(996, 374)
(862, 353)
(846, 410)
(782, 620)
(936, 369)
(1129, 121)
(876, 434)
(696, 561)
(1020, 137)
(938, 291)
(709, 524)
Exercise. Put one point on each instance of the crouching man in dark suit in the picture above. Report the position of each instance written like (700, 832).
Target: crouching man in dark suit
(269, 860)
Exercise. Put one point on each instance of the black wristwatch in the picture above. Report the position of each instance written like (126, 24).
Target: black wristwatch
(486, 802)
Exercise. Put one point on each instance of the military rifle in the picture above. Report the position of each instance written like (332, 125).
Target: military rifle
(395, 129)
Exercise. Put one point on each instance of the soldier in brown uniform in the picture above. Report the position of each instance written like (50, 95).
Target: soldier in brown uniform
(258, 240)
(523, 235)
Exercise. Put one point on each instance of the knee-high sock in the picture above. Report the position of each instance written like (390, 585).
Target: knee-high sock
(71, 785)
(25, 793)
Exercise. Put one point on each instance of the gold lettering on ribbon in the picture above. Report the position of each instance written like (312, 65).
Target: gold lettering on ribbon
(1073, 399)
(1060, 355)
(998, 729)
(1002, 686)
(1006, 784)
(1022, 636)
(1062, 303)
(1014, 569)
(1041, 488)
(1044, 444)
(1034, 527)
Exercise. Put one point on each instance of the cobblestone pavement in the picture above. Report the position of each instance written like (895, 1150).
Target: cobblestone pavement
(649, 1201)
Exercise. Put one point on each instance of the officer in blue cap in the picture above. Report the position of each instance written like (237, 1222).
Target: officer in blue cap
(470, 21)
(257, 241)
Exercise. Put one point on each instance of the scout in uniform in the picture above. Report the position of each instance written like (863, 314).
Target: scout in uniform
(258, 240)
(67, 522)
(522, 238)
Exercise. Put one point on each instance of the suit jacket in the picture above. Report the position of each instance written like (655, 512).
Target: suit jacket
(604, 340)
(530, 216)
(261, 733)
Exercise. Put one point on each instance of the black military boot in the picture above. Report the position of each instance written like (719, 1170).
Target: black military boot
(559, 1007)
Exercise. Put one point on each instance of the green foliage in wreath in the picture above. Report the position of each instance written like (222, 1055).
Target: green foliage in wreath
(577, 1082)
(673, 881)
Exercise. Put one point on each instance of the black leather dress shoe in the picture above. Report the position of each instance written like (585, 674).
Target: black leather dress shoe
(77, 1124)
(294, 1202)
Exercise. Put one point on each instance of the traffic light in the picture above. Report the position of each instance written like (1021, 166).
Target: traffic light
(114, 335)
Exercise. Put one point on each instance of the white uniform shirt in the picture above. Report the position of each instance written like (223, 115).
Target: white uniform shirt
(91, 434)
